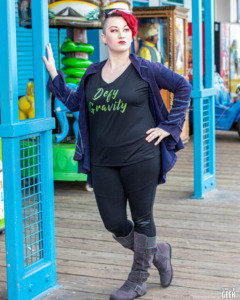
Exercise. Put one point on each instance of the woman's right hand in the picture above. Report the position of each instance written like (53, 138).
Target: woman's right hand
(50, 62)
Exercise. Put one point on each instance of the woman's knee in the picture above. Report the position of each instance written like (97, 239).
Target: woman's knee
(143, 221)
(120, 228)
(145, 225)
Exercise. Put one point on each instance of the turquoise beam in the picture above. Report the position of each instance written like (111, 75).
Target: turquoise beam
(29, 126)
(9, 115)
(197, 101)
(8, 54)
(40, 41)
(27, 165)
(203, 93)
(209, 44)
(203, 101)
(209, 82)
(197, 44)
(13, 219)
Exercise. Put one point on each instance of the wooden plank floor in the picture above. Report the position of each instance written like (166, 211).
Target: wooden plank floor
(204, 234)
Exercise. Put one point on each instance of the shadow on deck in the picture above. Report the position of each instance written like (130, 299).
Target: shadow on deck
(204, 235)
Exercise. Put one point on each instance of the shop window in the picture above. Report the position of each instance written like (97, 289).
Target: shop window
(162, 37)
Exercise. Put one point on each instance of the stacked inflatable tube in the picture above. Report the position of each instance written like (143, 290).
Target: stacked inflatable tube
(70, 46)
(76, 62)
(74, 68)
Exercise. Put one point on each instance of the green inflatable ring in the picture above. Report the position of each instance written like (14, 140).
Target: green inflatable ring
(76, 62)
(74, 72)
(72, 80)
(64, 167)
(70, 46)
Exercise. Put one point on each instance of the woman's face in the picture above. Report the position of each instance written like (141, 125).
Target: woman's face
(118, 35)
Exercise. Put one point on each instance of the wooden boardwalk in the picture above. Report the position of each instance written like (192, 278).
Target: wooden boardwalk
(204, 234)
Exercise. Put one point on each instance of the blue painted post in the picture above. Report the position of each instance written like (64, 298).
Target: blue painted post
(27, 165)
(40, 34)
(203, 113)
(9, 115)
(209, 82)
(197, 101)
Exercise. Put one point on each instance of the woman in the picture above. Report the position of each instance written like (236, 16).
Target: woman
(126, 143)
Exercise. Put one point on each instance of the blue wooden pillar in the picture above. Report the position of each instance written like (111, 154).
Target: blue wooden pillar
(27, 165)
(203, 100)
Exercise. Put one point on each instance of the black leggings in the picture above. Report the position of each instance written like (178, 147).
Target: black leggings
(137, 183)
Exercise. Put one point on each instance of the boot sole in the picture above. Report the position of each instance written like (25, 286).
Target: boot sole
(171, 268)
(133, 298)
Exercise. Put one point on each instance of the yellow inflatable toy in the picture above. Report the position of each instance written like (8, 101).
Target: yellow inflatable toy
(26, 103)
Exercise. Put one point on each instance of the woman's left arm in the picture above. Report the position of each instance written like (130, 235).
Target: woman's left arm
(174, 83)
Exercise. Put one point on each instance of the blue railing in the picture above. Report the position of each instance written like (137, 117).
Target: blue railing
(31, 191)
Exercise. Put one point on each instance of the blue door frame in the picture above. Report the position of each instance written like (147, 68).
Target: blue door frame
(27, 164)
(203, 100)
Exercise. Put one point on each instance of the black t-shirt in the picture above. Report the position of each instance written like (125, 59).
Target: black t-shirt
(119, 116)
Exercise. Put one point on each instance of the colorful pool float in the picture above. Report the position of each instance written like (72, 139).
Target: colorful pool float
(76, 62)
(72, 80)
(73, 72)
(70, 46)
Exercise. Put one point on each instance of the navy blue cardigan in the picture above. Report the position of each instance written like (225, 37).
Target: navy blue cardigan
(158, 77)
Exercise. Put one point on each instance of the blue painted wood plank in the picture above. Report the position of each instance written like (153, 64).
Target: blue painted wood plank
(8, 62)
(203, 101)
(26, 127)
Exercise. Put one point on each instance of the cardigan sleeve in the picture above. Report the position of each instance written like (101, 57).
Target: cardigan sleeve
(59, 89)
(181, 88)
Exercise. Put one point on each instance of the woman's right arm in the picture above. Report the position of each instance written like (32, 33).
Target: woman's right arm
(57, 84)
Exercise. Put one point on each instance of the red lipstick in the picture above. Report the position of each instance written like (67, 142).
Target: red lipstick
(122, 42)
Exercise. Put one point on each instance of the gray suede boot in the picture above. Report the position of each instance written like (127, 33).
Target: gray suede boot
(135, 286)
(161, 260)
(126, 241)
